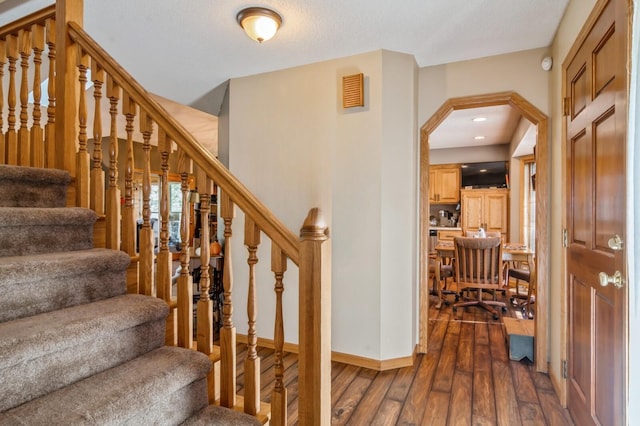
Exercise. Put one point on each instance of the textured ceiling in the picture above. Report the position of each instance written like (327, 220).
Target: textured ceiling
(183, 50)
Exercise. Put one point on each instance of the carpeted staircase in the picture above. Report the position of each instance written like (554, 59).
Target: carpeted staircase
(74, 347)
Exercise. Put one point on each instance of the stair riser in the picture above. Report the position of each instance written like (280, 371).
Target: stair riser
(39, 376)
(172, 408)
(146, 390)
(58, 292)
(33, 239)
(26, 194)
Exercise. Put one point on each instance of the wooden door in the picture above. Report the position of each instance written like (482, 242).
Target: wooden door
(449, 185)
(596, 85)
(472, 210)
(433, 185)
(495, 211)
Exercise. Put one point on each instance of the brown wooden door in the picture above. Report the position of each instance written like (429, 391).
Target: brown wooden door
(472, 210)
(449, 185)
(596, 136)
(495, 211)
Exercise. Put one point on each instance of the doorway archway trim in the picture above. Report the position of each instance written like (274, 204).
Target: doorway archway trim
(541, 121)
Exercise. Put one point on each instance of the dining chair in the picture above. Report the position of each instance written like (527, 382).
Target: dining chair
(446, 264)
(523, 300)
(434, 274)
(479, 267)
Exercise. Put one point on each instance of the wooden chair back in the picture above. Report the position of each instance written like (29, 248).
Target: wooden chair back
(478, 262)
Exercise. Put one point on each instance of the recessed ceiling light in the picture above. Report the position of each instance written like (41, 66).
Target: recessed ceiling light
(483, 170)
(478, 138)
(464, 166)
(479, 119)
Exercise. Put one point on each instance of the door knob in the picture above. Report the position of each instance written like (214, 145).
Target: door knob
(615, 279)
(615, 243)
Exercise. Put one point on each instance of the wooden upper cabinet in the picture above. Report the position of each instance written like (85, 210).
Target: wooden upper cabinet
(444, 184)
(487, 208)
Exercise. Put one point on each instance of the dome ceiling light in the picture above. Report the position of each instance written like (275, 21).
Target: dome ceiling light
(259, 23)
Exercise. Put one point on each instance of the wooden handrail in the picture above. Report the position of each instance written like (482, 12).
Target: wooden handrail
(37, 17)
(241, 196)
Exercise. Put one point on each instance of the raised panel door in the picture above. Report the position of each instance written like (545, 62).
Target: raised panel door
(449, 185)
(472, 210)
(495, 212)
(433, 185)
(596, 133)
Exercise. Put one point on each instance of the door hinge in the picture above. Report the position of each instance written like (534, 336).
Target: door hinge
(566, 106)
(564, 369)
(565, 238)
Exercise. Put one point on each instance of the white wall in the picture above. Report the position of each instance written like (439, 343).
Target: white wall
(470, 154)
(519, 72)
(295, 147)
(573, 20)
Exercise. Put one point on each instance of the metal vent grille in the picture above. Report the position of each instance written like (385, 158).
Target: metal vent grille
(352, 91)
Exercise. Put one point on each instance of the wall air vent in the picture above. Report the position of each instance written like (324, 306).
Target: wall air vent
(352, 91)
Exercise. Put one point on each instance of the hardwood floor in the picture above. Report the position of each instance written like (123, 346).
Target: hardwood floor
(465, 378)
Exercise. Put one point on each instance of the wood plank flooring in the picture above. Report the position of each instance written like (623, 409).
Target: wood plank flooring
(465, 378)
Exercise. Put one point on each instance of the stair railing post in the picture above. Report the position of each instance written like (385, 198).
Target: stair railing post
(314, 361)
(67, 87)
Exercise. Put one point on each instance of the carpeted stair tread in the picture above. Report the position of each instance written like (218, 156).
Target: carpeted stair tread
(33, 187)
(50, 281)
(132, 393)
(216, 415)
(38, 230)
(42, 216)
(45, 352)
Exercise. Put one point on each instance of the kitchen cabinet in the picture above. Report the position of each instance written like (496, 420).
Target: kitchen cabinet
(486, 208)
(444, 184)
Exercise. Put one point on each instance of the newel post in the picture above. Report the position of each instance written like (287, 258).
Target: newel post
(66, 84)
(314, 322)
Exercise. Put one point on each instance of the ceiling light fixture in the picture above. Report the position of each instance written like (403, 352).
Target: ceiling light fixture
(479, 119)
(478, 138)
(259, 23)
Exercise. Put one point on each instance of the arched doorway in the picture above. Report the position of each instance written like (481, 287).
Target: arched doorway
(541, 121)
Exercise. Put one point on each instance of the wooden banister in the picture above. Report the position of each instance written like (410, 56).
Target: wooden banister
(64, 143)
(314, 317)
(27, 21)
(241, 196)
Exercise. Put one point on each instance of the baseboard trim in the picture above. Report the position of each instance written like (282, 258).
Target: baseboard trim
(358, 361)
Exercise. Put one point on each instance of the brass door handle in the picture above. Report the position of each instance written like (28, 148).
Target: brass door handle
(615, 243)
(615, 279)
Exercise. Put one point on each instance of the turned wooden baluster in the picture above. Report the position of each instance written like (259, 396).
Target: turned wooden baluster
(50, 127)
(129, 109)
(83, 159)
(204, 309)
(228, 331)
(314, 318)
(3, 60)
(164, 260)
(204, 325)
(279, 393)
(185, 280)
(37, 135)
(146, 242)
(24, 140)
(97, 174)
(129, 225)
(11, 135)
(113, 191)
(252, 362)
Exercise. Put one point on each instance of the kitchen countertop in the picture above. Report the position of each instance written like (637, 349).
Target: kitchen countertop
(445, 228)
